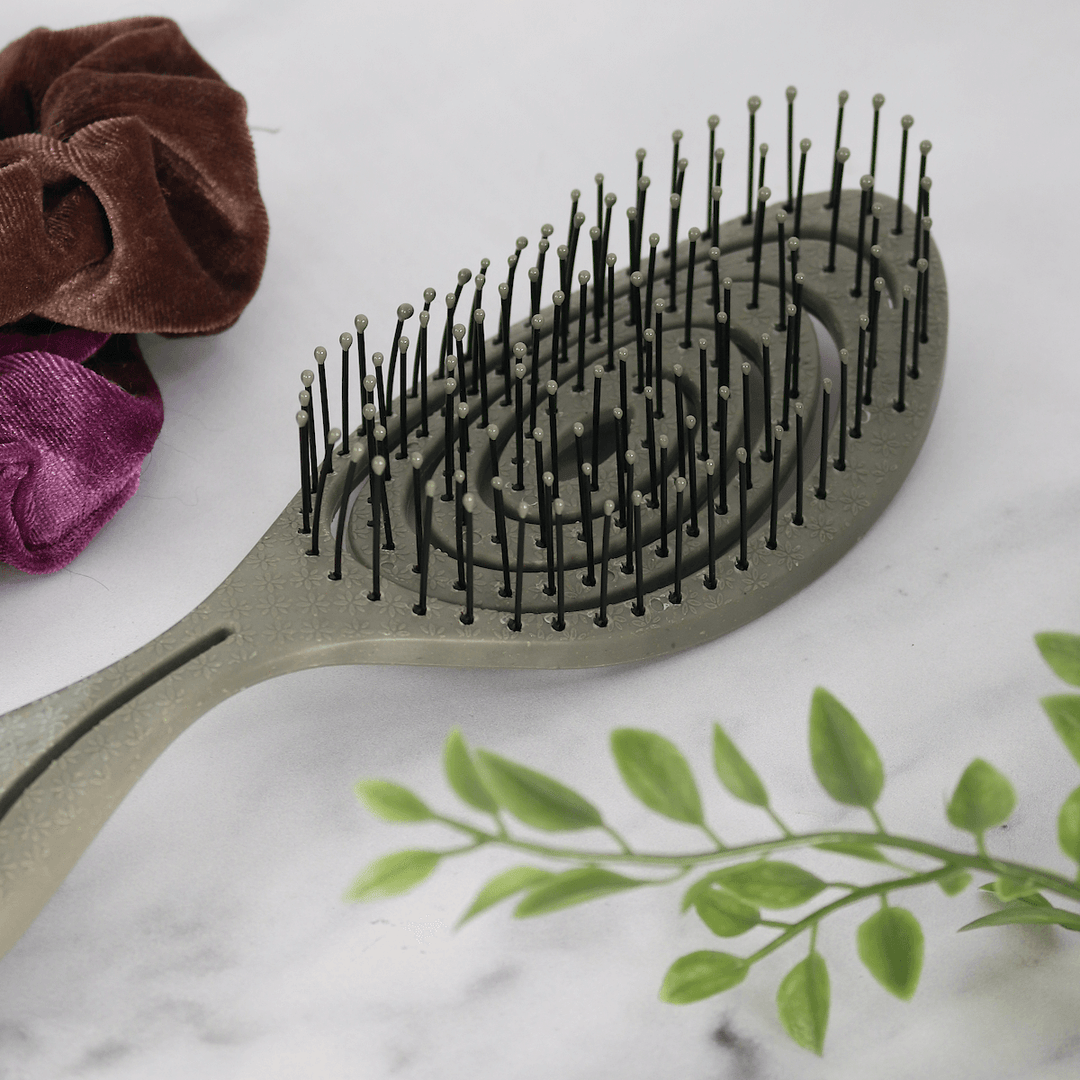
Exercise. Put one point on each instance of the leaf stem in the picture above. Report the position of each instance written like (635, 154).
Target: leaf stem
(854, 897)
(720, 846)
(953, 860)
(779, 824)
(624, 846)
(876, 820)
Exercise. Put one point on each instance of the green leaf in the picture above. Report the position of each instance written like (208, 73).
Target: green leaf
(891, 946)
(983, 798)
(534, 798)
(1062, 653)
(1028, 915)
(803, 1002)
(1069, 826)
(504, 885)
(700, 975)
(391, 802)
(463, 776)
(723, 913)
(955, 883)
(844, 758)
(573, 887)
(735, 772)
(392, 875)
(1034, 899)
(854, 848)
(1064, 713)
(1010, 888)
(657, 774)
(769, 884)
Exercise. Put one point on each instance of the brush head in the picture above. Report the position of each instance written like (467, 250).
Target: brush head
(619, 428)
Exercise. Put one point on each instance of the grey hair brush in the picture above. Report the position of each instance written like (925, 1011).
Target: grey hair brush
(657, 457)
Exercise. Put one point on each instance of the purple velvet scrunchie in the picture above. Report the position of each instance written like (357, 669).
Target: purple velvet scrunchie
(78, 413)
(129, 202)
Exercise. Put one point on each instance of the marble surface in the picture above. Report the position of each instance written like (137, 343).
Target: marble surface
(204, 933)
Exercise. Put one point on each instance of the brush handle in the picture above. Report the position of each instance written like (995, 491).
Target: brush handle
(68, 759)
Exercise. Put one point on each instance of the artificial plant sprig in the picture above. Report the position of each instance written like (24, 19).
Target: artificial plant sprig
(729, 899)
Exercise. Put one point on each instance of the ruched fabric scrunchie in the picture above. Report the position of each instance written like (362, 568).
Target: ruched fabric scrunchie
(129, 203)
(78, 413)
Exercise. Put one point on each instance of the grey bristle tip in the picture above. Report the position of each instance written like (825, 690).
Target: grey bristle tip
(320, 354)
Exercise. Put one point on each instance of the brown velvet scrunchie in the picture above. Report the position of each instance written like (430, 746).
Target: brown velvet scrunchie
(129, 200)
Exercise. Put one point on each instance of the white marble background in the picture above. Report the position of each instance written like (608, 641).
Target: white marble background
(203, 934)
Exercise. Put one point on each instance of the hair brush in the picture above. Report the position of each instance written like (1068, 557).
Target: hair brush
(659, 456)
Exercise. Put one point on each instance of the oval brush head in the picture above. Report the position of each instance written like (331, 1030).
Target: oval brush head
(738, 463)
(655, 458)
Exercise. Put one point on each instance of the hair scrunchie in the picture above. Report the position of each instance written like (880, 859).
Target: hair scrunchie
(129, 199)
(129, 203)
